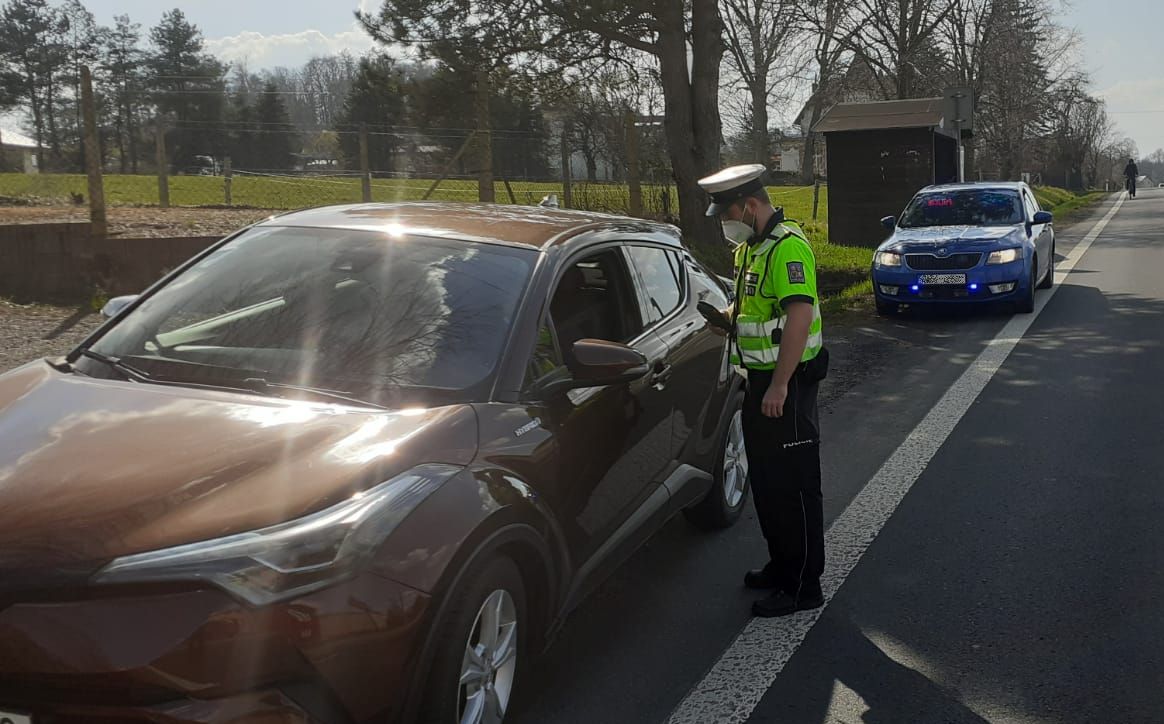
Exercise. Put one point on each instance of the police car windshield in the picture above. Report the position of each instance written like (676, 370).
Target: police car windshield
(387, 319)
(964, 207)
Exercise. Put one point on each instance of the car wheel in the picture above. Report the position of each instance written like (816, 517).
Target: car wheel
(1026, 303)
(722, 505)
(480, 648)
(1050, 278)
(885, 309)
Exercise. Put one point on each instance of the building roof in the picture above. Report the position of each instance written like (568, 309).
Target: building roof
(916, 113)
(12, 139)
(532, 226)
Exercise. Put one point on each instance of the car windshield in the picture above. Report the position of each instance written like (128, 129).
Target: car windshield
(964, 207)
(386, 319)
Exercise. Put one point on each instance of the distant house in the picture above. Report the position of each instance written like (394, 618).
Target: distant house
(786, 155)
(18, 151)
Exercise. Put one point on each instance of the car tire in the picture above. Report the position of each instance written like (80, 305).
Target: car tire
(885, 309)
(492, 599)
(1049, 280)
(1026, 303)
(722, 505)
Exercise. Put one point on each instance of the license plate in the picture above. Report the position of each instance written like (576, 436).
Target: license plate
(943, 279)
(9, 717)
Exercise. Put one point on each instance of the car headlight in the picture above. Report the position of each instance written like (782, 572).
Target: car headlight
(292, 558)
(887, 258)
(1004, 256)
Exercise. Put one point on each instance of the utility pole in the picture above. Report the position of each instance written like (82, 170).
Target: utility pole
(97, 222)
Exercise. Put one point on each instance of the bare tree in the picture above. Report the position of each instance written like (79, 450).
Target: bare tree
(898, 40)
(764, 53)
(537, 33)
(828, 23)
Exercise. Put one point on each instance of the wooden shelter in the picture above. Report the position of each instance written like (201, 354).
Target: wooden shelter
(879, 155)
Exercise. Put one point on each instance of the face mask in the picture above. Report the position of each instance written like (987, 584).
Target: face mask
(738, 232)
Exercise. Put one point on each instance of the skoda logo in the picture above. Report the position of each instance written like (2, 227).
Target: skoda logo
(943, 252)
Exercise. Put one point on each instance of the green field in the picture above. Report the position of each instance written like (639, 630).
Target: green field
(274, 192)
(286, 192)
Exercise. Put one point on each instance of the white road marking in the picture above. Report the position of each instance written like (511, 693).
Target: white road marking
(732, 689)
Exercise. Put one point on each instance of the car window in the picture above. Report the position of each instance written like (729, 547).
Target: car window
(389, 319)
(964, 207)
(594, 299)
(1032, 205)
(659, 278)
(703, 285)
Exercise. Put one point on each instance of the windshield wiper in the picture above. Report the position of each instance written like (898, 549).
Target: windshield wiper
(114, 363)
(265, 387)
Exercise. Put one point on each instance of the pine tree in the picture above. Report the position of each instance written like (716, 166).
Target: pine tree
(30, 54)
(122, 59)
(276, 136)
(189, 89)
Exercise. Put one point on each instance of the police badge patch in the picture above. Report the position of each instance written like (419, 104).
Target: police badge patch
(796, 272)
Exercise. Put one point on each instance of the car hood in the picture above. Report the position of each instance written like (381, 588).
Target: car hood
(94, 469)
(960, 238)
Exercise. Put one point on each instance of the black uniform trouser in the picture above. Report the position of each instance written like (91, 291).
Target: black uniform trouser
(784, 469)
(1131, 184)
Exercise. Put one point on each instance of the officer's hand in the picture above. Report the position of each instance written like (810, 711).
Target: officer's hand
(773, 403)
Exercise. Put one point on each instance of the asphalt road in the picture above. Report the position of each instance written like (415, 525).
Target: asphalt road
(1019, 579)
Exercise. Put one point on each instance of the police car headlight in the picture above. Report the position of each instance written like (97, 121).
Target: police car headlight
(888, 258)
(1004, 256)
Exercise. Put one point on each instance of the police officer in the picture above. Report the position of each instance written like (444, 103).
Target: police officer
(777, 338)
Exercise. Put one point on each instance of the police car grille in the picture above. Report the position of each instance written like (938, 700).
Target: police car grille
(929, 262)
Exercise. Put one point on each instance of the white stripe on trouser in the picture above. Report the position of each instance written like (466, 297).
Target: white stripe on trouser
(803, 512)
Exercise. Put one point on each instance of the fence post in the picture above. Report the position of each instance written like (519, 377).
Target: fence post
(485, 190)
(97, 224)
(567, 186)
(365, 166)
(228, 181)
(632, 165)
(163, 166)
(815, 197)
(509, 190)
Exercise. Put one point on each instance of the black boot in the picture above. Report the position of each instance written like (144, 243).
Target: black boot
(782, 604)
(761, 579)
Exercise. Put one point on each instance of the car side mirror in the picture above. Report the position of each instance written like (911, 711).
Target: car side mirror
(114, 306)
(889, 222)
(597, 363)
(1043, 217)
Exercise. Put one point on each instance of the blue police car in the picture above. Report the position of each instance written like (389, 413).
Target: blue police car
(965, 243)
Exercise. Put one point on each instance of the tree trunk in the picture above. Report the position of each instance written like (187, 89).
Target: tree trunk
(691, 108)
(760, 140)
(759, 89)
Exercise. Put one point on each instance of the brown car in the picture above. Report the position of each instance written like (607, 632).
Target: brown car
(354, 464)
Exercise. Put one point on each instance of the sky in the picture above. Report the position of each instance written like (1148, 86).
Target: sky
(1122, 47)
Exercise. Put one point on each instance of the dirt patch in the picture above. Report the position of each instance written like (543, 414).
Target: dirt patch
(32, 331)
(143, 222)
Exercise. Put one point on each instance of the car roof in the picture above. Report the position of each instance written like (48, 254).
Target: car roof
(1008, 185)
(530, 226)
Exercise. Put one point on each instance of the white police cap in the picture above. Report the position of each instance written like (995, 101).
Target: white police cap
(732, 184)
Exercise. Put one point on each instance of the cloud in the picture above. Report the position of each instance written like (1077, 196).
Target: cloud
(289, 49)
(1137, 106)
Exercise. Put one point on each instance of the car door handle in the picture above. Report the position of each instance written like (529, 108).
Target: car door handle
(661, 376)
